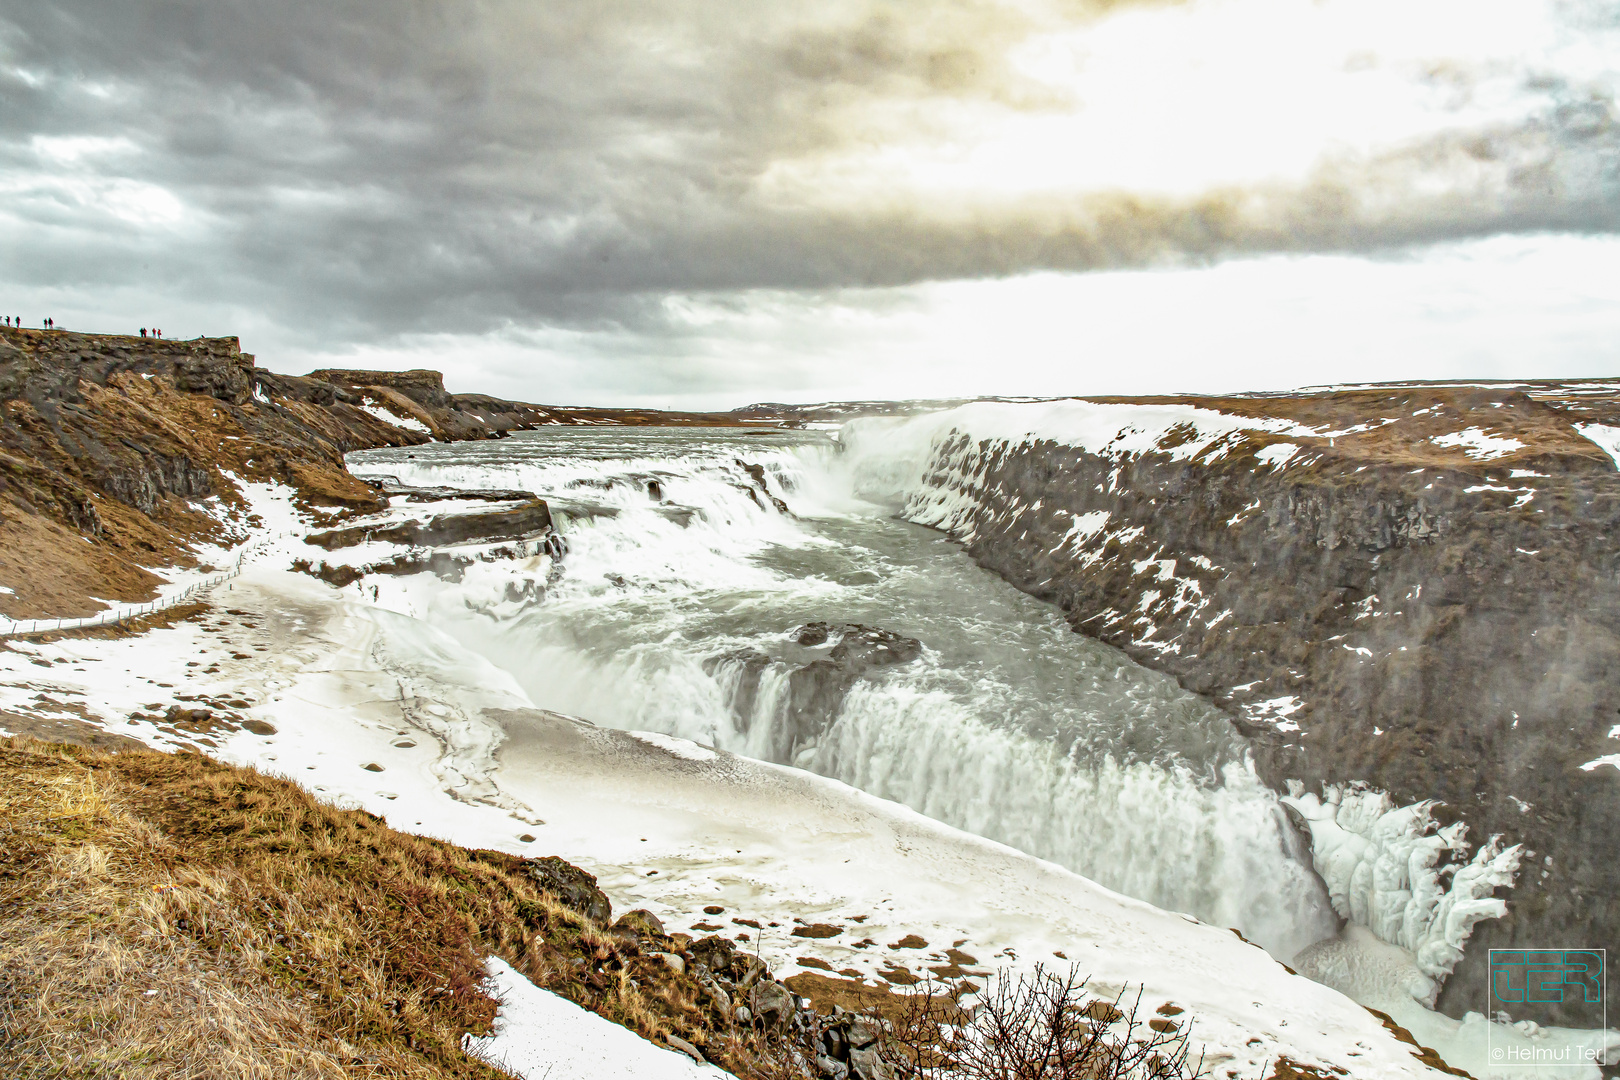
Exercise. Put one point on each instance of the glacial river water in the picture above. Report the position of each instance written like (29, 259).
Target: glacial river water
(695, 558)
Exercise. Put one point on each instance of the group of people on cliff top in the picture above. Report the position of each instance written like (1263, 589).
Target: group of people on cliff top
(155, 333)
(47, 324)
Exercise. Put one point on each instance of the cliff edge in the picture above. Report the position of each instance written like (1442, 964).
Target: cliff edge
(1413, 587)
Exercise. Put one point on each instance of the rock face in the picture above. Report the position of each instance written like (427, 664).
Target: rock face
(108, 442)
(816, 680)
(574, 888)
(1399, 600)
(528, 519)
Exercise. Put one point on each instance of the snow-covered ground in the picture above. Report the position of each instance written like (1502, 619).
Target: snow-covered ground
(540, 1036)
(465, 757)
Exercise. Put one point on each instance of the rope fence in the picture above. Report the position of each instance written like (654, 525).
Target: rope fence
(10, 628)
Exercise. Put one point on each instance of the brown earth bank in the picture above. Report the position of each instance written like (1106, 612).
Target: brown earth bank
(111, 445)
(1449, 626)
(169, 915)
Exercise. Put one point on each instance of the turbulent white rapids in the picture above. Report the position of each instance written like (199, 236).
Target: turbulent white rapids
(682, 564)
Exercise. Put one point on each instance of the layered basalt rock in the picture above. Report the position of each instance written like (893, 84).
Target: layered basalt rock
(1371, 604)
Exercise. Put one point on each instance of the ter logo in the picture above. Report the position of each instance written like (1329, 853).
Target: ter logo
(1546, 976)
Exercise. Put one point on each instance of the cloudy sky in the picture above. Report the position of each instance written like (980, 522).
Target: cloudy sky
(704, 204)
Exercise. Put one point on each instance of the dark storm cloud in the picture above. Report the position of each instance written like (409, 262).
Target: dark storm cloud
(378, 169)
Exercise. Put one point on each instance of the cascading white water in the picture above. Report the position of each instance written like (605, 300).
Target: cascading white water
(681, 563)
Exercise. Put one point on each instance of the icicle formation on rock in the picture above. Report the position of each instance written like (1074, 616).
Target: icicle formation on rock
(1382, 867)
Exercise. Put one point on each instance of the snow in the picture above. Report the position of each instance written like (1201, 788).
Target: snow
(387, 416)
(681, 748)
(1275, 711)
(1607, 438)
(539, 1035)
(1084, 528)
(467, 758)
(1479, 445)
(1277, 454)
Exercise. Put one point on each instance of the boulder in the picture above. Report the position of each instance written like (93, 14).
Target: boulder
(714, 953)
(771, 1002)
(869, 1065)
(639, 923)
(573, 887)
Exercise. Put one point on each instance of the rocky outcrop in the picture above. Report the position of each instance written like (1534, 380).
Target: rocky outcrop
(818, 665)
(111, 447)
(1398, 600)
(574, 888)
(528, 519)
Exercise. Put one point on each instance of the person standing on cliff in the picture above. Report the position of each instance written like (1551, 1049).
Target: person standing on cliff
(143, 331)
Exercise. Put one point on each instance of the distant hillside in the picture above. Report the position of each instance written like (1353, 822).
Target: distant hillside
(119, 453)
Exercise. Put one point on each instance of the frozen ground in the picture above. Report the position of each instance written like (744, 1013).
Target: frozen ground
(666, 825)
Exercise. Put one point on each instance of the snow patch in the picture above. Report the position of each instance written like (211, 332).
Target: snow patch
(1607, 439)
(409, 423)
(1275, 711)
(1277, 454)
(681, 748)
(1478, 444)
(539, 1035)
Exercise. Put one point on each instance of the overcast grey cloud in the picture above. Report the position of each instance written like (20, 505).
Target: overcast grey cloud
(353, 174)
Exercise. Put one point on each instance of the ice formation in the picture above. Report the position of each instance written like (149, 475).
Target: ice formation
(1382, 866)
(1407, 927)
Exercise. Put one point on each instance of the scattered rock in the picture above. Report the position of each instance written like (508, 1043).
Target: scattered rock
(771, 1002)
(674, 962)
(869, 1065)
(372, 766)
(639, 923)
(831, 1067)
(259, 727)
(714, 952)
(862, 1032)
(678, 1043)
(820, 930)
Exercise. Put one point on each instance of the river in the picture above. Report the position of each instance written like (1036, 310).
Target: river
(695, 560)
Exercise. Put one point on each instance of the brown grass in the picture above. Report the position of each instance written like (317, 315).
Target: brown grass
(166, 915)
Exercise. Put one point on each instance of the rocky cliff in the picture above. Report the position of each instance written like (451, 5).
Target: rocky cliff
(119, 453)
(1415, 587)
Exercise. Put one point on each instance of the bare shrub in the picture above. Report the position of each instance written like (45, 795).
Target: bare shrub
(1039, 1025)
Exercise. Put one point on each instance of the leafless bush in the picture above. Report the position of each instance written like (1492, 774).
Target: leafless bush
(1042, 1025)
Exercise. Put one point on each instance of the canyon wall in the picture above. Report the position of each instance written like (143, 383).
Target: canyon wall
(112, 448)
(1417, 588)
